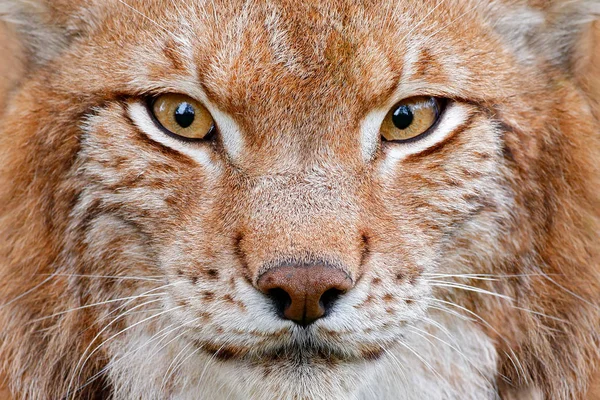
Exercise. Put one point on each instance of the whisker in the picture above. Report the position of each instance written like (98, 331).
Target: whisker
(27, 292)
(156, 278)
(95, 305)
(422, 332)
(468, 288)
(462, 276)
(441, 327)
(401, 368)
(427, 364)
(448, 311)
(486, 323)
(422, 20)
(211, 359)
(125, 330)
(489, 276)
(483, 291)
(112, 363)
(147, 18)
(231, 390)
(445, 330)
(157, 337)
(193, 353)
(154, 352)
(451, 22)
(543, 315)
(459, 351)
(77, 367)
(173, 366)
(571, 292)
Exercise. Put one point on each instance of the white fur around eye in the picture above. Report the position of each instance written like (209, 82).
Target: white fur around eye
(369, 133)
(452, 118)
(140, 115)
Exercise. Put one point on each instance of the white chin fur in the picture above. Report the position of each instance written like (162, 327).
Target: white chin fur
(449, 358)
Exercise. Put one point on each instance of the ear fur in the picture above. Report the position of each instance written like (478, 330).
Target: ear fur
(45, 27)
(543, 29)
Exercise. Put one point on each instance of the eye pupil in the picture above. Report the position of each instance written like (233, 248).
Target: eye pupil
(403, 117)
(185, 115)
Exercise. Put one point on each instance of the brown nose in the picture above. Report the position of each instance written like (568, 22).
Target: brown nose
(304, 293)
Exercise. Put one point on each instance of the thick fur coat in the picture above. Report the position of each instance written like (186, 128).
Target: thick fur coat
(129, 259)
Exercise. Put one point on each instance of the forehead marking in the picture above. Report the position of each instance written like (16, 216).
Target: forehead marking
(411, 58)
(280, 44)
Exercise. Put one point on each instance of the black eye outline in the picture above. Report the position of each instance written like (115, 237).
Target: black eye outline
(441, 107)
(210, 136)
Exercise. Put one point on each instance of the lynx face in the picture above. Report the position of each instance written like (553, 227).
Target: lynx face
(295, 176)
(298, 200)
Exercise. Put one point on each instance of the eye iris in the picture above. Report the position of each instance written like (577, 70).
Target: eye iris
(403, 117)
(185, 115)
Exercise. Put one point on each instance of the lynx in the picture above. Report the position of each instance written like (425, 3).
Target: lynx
(267, 199)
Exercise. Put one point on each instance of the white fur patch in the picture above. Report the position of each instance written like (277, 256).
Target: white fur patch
(453, 117)
(369, 132)
(198, 152)
(447, 357)
(228, 130)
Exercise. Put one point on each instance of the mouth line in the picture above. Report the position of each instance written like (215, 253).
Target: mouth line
(306, 353)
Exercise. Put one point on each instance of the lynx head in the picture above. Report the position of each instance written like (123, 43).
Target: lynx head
(276, 197)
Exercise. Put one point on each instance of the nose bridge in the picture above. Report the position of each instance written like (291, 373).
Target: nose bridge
(303, 218)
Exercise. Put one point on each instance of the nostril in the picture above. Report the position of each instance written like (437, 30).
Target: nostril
(303, 293)
(329, 298)
(281, 300)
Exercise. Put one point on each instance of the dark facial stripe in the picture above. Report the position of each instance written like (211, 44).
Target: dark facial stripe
(453, 138)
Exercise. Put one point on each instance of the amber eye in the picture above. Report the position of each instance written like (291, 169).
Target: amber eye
(183, 116)
(410, 118)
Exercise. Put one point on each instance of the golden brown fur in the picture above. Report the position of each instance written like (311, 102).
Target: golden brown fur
(11, 66)
(513, 192)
